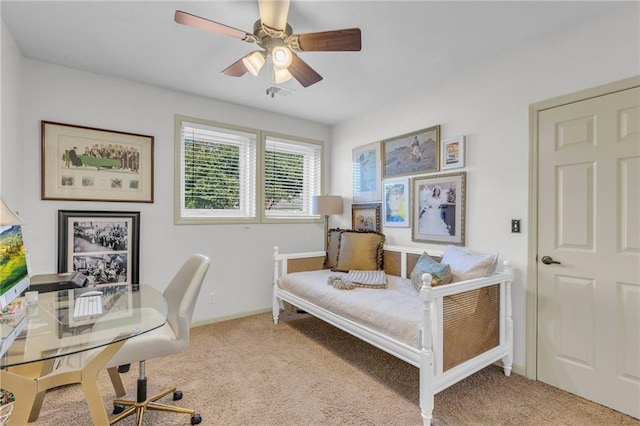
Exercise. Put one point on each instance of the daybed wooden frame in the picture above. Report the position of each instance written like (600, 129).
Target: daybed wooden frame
(434, 374)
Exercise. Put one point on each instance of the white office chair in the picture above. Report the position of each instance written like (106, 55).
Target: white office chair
(172, 337)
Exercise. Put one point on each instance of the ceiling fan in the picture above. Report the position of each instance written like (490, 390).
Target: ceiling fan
(275, 36)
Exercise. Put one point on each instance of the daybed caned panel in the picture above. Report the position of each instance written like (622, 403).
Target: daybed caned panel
(471, 324)
(393, 263)
(305, 264)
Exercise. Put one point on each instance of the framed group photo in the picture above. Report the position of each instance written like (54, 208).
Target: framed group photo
(366, 173)
(439, 209)
(413, 153)
(396, 203)
(102, 245)
(88, 164)
(366, 217)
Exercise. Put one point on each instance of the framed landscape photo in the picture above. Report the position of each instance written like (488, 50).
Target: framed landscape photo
(366, 173)
(452, 153)
(413, 153)
(88, 164)
(366, 217)
(102, 245)
(396, 203)
(439, 209)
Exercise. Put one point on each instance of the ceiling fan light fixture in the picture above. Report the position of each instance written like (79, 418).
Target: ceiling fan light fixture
(281, 56)
(281, 75)
(254, 61)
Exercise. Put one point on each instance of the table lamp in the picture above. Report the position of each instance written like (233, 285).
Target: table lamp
(326, 205)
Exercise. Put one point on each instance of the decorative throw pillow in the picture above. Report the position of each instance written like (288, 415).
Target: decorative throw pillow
(440, 272)
(332, 248)
(466, 265)
(359, 250)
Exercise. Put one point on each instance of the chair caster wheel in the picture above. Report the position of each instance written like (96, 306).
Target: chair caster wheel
(117, 409)
(177, 395)
(196, 419)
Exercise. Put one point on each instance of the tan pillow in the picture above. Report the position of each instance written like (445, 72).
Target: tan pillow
(332, 248)
(360, 250)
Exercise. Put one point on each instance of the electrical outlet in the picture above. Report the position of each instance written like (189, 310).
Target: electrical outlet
(515, 226)
(212, 298)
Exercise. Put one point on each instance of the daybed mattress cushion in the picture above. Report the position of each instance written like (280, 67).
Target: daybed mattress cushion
(395, 311)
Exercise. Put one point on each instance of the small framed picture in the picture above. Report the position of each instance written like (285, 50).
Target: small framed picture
(366, 173)
(452, 153)
(396, 203)
(366, 217)
(103, 245)
(439, 209)
(412, 153)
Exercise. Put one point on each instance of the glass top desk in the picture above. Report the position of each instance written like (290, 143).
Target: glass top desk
(50, 331)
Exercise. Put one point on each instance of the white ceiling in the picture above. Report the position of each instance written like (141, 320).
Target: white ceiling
(405, 45)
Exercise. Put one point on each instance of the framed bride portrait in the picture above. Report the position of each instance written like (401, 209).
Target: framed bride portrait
(439, 209)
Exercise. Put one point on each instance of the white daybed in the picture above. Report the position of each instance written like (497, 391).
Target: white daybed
(454, 330)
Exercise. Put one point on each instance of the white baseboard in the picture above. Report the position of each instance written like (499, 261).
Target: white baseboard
(229, 317)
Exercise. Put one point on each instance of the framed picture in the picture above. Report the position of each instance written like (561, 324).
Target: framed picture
(366, 217)
(366, 173)
(396, 203)
(87, 164)
(413, 153)
(439, 209)
(452, 153)
(103, 245)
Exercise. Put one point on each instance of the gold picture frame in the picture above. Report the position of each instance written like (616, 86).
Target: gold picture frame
(366, 217)
(89, 164)
(439, 209)
(412, 153)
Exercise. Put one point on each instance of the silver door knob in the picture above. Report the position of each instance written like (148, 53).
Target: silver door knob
(548, 260)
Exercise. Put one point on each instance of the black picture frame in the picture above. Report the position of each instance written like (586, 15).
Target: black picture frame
(103, 245)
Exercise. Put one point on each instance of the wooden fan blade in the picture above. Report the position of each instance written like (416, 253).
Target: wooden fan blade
(207, 25)
(273, 13)
(331, 41)
(302, 72)
(237, 69)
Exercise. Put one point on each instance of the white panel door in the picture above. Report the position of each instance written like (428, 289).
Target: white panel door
(589, 222)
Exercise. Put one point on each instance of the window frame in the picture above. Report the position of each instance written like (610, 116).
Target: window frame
(259, 190)
(302, 141)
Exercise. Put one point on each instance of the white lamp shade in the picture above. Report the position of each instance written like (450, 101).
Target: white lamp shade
(7, 216)
(326, 204)
(281, 75)
(254, 61)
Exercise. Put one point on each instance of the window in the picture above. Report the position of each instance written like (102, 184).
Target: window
(292, 175)
(218, 174)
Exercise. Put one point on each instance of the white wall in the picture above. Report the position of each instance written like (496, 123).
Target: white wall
(489, 104)
(241, 255)
(9, 117)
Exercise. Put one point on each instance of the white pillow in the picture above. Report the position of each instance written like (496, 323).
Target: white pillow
(466, 265)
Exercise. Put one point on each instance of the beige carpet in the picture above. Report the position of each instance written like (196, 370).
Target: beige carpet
(304, 372)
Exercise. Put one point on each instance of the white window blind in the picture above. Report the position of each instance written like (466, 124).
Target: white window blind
(217, 172)
(292, 175)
